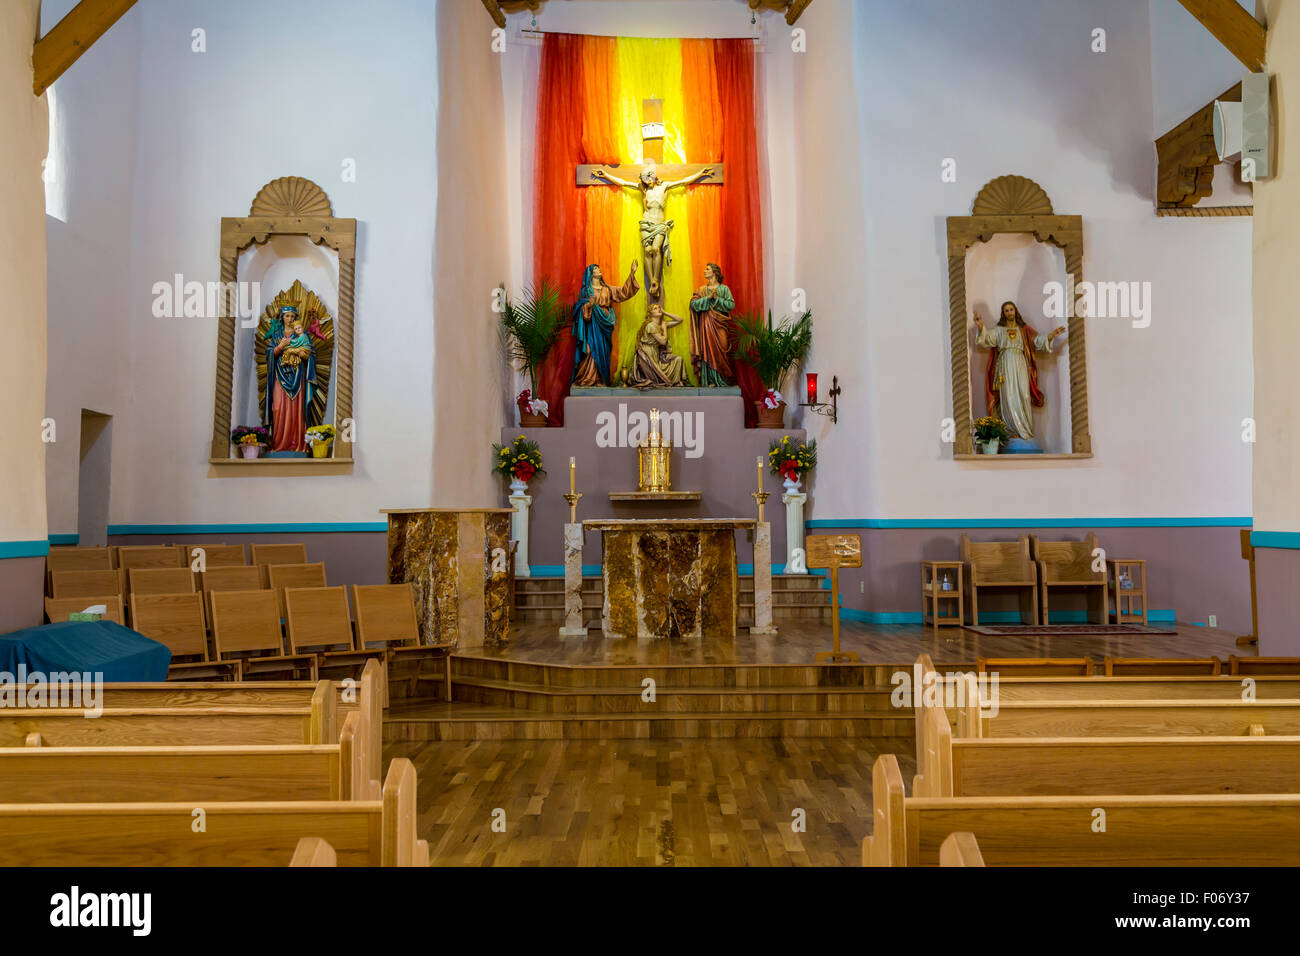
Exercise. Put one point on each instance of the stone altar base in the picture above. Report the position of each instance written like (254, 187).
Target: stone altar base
(670, 578)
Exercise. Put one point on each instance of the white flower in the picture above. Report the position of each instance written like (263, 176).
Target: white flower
(539, 406)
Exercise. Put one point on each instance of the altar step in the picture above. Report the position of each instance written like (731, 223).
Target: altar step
(496, 699)
(795, 597)
(462, 721)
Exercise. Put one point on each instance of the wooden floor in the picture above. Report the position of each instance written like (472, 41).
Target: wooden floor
(647, 803)
(891, 644)
(690, 802)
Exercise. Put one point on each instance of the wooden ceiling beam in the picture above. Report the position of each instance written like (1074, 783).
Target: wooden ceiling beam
(1232, 26)
(72, 36)
(497, 9)
(495, 12)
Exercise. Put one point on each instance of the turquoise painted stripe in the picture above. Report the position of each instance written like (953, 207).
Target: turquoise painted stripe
(880, 523)
(70, 538)
(990, 617)
(557, 570)
(299, 528)
(1287, 540)
(24, 549)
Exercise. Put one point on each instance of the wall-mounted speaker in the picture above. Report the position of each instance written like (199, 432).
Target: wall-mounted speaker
(1243, 130)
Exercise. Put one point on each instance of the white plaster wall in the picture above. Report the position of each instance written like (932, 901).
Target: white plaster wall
(1277, 250)
(293, 88)
(1009, 87)
(23, 118)
(89, 250)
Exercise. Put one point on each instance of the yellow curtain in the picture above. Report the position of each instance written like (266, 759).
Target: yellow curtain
(652, 69)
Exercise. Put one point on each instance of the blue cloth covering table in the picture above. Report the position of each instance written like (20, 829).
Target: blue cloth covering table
(119, 653)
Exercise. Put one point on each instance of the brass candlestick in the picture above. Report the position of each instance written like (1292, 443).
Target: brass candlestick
(572, 498)
(760, 497)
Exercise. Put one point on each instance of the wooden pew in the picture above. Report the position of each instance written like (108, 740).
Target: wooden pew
(1047, 766)
(363, 696)
(1134, 718)
(197, 774)
(1163, 666)
(172, 726)
(313, 851)
(1151, 830)
(960, 849)
(257, 833)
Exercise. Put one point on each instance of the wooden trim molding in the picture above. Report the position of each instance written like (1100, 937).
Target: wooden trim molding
(72, 36)
(1205, 212)
(1241, 33)
(498, 9)
(1013, 204)
(1186, 157)
(289, 206)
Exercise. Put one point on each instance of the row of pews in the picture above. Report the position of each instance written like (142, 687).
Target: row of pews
(1095, 771)
(206, 774)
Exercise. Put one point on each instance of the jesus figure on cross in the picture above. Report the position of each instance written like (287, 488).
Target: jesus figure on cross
(655, 228)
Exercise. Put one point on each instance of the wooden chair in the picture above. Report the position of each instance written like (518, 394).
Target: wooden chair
(160, 556)
(242, 578)
(177, 621)
(1068, 564)
(990, 565)
(386, 616)
(320, 624)
(281, 576)
(1262, 666)
(70, 584)
(1035, 666)
(58, 609)
(160, 581)
(268, 554)
(1163, 666)
(246, 627)
(214, 555)
(76, 559)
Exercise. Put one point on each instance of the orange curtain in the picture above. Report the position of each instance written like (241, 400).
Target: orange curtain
(741, 231)
(560, 215)
(703, 144)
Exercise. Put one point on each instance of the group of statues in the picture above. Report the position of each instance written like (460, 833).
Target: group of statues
(654, 364)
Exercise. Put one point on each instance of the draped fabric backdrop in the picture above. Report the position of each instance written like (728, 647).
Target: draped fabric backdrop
(589, 111)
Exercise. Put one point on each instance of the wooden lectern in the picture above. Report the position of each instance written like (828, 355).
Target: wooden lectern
(834, 551)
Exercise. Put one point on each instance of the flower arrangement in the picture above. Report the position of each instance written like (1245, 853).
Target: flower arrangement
(535, 406)
(792, 460)
(323, 434)
(250, 435)
(521, 459)
(772, 398)
(990, 429)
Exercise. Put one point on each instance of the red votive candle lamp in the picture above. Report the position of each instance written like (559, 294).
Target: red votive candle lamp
(812, 387)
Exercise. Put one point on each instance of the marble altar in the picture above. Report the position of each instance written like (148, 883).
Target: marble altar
(670, 577)
(457, 560)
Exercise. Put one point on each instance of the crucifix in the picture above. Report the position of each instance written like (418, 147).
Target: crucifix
(654, 178)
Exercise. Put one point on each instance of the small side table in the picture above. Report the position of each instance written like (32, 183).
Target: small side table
(1129, 603)
(943, 607)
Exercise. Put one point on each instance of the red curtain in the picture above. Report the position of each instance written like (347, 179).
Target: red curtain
(559, 216)
(741, 234)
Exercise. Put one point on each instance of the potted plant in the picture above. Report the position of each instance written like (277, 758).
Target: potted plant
(792, 460)
(519, 461)
(990, 432)
(530, 327)
(250, 439)
(774, 351)
(320, 438)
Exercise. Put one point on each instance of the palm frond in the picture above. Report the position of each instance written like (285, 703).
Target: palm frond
(774, 348)
(530, 325)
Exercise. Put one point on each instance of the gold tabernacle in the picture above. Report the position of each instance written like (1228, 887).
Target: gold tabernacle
(653, 457)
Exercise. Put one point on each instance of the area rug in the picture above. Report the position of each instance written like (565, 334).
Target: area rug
(1062, 630)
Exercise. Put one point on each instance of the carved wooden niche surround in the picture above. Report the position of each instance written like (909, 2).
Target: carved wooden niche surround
(289, 206)
(1013, 204)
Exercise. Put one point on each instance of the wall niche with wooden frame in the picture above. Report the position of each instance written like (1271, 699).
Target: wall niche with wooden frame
(1010, 247)
(285, 334)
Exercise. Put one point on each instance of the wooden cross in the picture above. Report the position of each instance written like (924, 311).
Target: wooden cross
(652, 152)
(834, 551)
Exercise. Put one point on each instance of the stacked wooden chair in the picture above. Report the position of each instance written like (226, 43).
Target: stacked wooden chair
(1000, 566)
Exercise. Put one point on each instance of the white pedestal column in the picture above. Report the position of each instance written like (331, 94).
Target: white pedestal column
(522, 504)
(763, 579)
(573, 624)
(794, 559)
